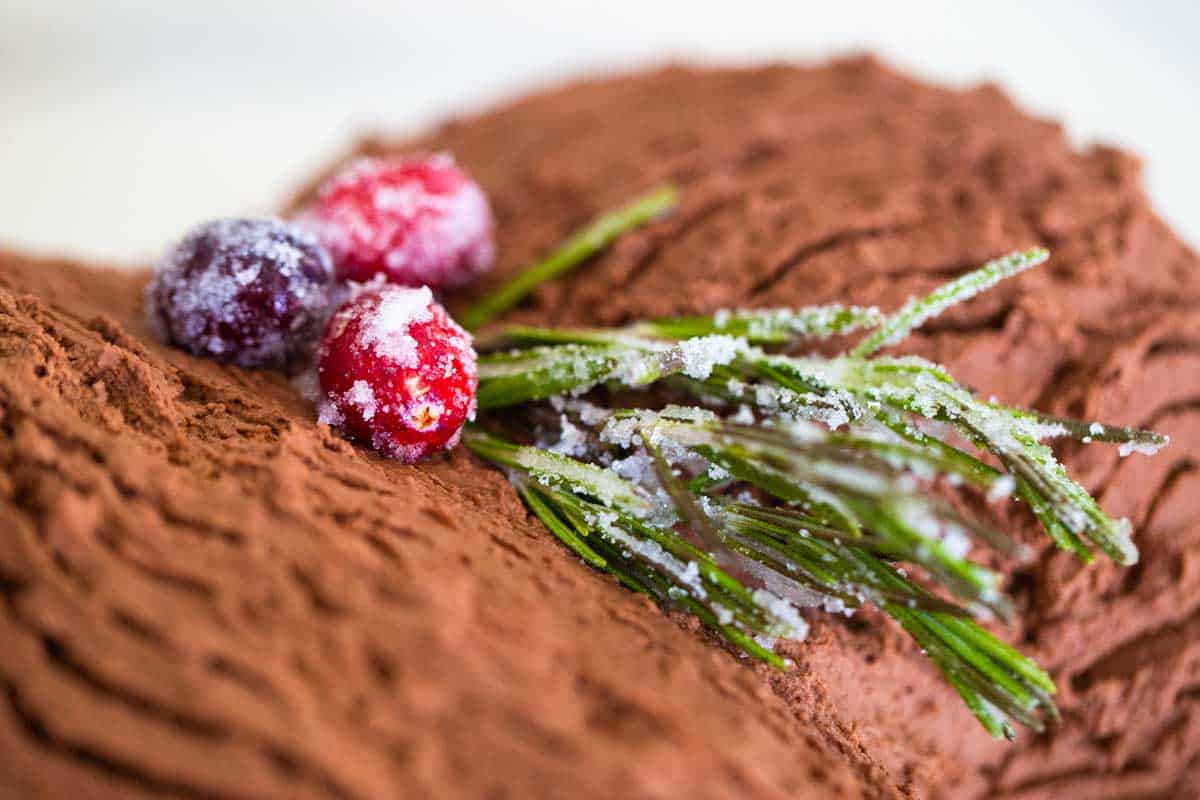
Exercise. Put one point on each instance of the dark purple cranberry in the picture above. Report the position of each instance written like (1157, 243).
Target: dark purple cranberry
(252, 292)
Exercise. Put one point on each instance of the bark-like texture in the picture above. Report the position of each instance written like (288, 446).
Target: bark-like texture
(205, 594)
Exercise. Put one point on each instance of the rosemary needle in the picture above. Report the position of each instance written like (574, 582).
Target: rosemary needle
(582, 245)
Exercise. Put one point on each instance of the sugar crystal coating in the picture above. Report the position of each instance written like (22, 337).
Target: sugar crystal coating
(252, 292)
(396, 372)
(420, 222)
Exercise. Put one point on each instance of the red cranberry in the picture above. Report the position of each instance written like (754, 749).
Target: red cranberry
(420, 222)
(396, 372)
(251, 292)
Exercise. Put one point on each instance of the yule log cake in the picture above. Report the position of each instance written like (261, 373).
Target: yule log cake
(207, 594)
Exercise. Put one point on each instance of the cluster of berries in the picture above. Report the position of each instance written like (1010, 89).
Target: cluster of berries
(395, 371)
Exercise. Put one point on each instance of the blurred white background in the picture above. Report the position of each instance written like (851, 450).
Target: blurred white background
(124, 122)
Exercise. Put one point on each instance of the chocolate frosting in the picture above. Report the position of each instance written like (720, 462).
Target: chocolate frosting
(206, 594)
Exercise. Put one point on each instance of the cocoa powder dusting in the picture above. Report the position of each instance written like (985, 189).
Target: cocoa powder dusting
(205, 594)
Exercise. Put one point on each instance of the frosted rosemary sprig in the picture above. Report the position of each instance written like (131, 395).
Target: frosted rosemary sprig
(922, 389)
(849, 492)
(584, 244)
(776, 559)
(917, 311)
(1132, 440)
(838, 391)
(622, 531)
(538, 373)
(588, 360)
(765, 326)
(996, 682)
(743, 509)
(757, 326)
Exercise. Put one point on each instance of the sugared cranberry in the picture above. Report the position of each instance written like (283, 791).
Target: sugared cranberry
(420, 222)
(252, 292)
(397, 373)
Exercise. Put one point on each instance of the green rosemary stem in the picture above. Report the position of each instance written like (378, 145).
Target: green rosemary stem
(918, 310)
(584, 244)
(765, 325)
